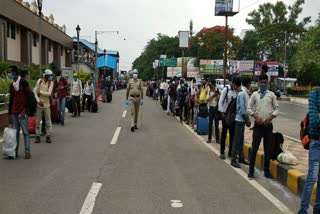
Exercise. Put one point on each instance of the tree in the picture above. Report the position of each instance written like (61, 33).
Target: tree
(271, 21)
(306, 60)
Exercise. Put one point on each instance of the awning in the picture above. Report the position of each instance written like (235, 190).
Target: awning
(107, 61)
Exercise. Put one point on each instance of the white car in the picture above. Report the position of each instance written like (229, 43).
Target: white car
(220, 85)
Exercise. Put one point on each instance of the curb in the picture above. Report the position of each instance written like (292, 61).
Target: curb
(284, 174)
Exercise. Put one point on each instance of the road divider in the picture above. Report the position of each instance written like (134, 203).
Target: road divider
(90, 200)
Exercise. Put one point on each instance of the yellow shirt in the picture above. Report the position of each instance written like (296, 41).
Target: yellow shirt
(203, 94)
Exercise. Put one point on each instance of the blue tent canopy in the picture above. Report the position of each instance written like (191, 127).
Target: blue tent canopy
(107, 61)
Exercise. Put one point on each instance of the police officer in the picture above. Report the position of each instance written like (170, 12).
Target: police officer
(134, 98)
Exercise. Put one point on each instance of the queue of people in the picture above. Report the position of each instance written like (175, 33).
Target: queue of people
(44, 103)
(202, 106)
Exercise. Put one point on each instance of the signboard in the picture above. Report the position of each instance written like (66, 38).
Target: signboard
(174, 71)
(169, 62)
(223, 6)
(156, 62)
(241, 67)
(211, 66)
(192, 71)
(183, 39)
(273, 68)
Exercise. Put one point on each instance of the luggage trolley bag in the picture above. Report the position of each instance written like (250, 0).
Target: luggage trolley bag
(109, 97)
(202, 126)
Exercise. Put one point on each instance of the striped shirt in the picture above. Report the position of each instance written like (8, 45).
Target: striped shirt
(314, 109)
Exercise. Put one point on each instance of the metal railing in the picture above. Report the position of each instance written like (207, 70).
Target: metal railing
(4, 100)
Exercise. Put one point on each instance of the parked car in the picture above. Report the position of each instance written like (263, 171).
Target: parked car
(220, 84)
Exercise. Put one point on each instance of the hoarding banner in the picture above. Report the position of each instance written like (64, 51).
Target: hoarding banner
(223, 5)
(174, 71)
(211, 66)
(183, 39)
(273, 68)
(242, 67)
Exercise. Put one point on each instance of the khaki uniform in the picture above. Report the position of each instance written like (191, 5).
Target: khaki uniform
(135, 93)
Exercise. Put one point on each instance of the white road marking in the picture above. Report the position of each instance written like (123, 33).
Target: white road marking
(115, 136)
(124, 113)
(291, 138)
(88, 204)
(176, 204)
(243, 174)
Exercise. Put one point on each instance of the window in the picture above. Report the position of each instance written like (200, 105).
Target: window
(13, 31)
(50, 46)
(35, 39)
(62, 49)
(8, 30)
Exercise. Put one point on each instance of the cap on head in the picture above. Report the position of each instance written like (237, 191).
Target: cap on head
(135, 71)
(47, 72)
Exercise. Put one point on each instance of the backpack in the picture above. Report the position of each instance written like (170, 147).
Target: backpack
(304, 132)
(304, 129)
(230, 115)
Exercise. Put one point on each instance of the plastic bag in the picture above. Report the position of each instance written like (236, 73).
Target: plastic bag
(287, 157)
(9, 142)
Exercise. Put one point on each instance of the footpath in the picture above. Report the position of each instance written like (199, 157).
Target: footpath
(291, 176)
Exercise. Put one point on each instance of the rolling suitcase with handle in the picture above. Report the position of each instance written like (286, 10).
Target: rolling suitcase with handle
(202, 126)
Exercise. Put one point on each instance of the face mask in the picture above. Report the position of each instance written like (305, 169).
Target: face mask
(50, 78)
(135, 76)
(263, 88)
(10, 75)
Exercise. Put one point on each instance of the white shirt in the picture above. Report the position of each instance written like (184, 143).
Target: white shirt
(163, 85)
(224, 101)
(88, 90)
(213, 102)
(263, 107)
(194, 89)
(76, 88)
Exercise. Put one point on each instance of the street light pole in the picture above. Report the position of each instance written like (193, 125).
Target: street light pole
(78, 53)
(225, 53)
(40, 35)
(285, 62)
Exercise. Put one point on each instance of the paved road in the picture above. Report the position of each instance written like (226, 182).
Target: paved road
(140, 174)
(288, 122)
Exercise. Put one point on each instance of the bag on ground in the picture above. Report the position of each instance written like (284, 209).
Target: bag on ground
(32, 125)
(9, 142)
(275, 147)
(287, 157)
(94, 107)
(203, 110)
(69, 105)
(109, 97)
(54, 111)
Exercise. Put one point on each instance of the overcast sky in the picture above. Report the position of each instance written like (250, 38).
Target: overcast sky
(138, 21)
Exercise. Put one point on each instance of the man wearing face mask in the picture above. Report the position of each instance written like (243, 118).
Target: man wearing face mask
(42, 91)
(76, 91)
(263, 107)
(19, 108)
(60, 87)
(134, 98)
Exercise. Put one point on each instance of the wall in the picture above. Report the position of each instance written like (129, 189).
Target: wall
(14, 48)
(35, 54)
(63, 57)
(50, 54)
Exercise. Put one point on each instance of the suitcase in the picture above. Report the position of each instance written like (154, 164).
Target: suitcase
(54, 111)
(276, 140)
(109, 97)
(94, 107)
(164, 103)
(202, 126)
(69, 105)
(32, 125)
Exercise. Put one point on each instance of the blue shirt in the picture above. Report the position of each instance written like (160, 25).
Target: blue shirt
(241, 107)
(314, 109)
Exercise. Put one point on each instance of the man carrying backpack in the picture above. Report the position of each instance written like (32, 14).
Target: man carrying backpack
(241, 120)
(314, 154)
(263, 107)
(42, 91)
(227, 96)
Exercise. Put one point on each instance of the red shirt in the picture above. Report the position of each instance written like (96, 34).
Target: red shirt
(18, 99)
(61, 92)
